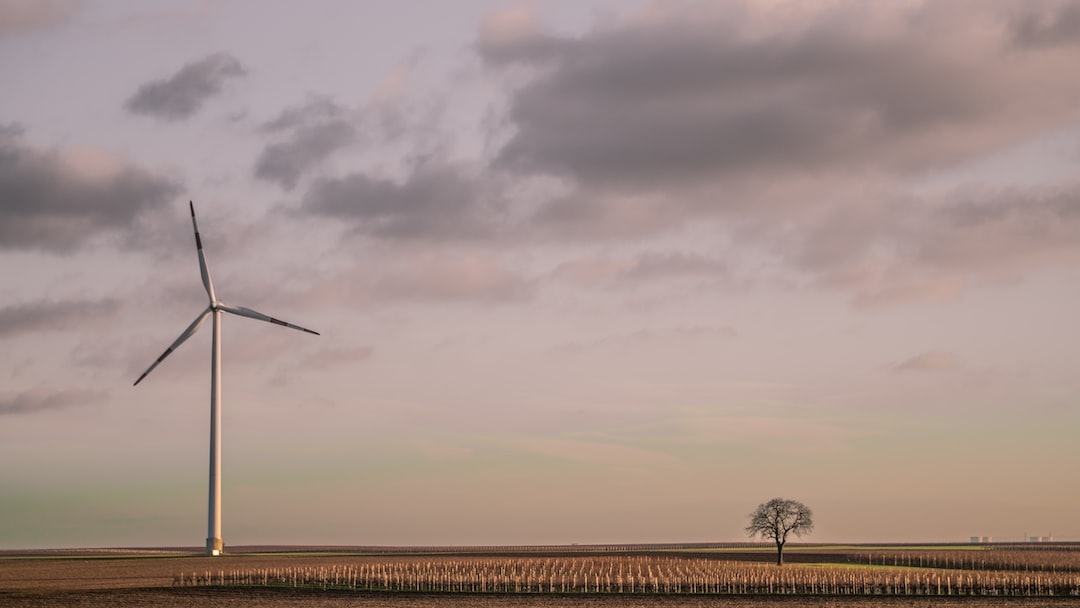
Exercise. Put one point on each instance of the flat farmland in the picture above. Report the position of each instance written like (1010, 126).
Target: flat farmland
(553, 578)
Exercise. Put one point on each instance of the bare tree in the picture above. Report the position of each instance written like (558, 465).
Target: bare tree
(778, 518)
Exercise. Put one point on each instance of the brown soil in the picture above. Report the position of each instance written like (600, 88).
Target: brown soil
(122, 579)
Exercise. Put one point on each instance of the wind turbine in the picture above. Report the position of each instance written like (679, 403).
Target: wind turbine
(214, 545)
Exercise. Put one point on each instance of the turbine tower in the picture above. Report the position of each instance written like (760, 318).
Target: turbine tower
(214, 545)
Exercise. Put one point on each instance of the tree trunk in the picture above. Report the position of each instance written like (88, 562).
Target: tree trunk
(779, 554)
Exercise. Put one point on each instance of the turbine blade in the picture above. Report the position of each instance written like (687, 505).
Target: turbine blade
(190, 331)
(207, 283)
(254, 314)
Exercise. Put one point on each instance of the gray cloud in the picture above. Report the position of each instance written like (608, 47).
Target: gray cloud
(999, 228)
(285, 162)
(589, 214)
(896, 251)
(31, 15)
(648, 266)
(48, 203)
(1047, 26)
(694, 96)
(434, 202)
(40, 400)
(313, 111)
(799, 133)
(183, 94)
(49, 316)
(315, 131)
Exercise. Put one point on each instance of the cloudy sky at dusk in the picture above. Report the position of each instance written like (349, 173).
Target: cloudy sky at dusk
(585, 271)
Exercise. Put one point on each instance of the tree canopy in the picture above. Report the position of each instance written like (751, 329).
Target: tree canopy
(778, 518)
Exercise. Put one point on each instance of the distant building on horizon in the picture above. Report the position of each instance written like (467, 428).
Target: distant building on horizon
(1049, 538)
(982, 539)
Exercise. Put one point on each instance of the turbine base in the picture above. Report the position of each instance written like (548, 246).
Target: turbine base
(214, 546)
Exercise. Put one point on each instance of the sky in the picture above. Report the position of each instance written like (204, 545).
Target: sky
(584, 271)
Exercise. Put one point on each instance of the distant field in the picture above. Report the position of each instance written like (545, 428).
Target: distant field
(616, 575)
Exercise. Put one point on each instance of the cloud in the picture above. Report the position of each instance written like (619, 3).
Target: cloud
(40, 400)
(58, 200)
(802, 135)
(998, 229)
(695, 94)
(284, 162)
(587, 215)
(313, 111)
(673, 264)
(182, 95)
(930, 361)
(52, 316)
(32, 15)
(315, 130)
(1047, 26)
(512, 35)
(647, 266)
(897, 251)
(798, 128)
(436, 201)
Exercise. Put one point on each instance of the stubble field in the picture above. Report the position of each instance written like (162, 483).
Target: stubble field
(547, 579)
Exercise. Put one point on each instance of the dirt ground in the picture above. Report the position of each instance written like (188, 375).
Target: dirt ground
(51, 573)
(84, 571)
(137, 580)
(122, 580)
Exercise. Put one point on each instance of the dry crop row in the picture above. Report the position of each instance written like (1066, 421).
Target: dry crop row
(1020, 561)
(642, 575)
